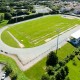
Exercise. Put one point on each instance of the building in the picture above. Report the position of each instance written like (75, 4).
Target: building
(75, 38)
(42, 9)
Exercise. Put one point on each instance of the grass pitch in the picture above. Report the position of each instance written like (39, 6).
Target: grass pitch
(37, 32)
(74, 70)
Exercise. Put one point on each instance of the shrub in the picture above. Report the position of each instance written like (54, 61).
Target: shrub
(7, 16)
(62, 63)
(14, 77)
(52, 59)
(62, 74)
(58, 76)
(50, 70)
(56, 67)
(66, 60)
(45, 77)
(74, 63)
(52, 78)
(78, 57)
(66, 70)
(67, 78)
(79, 49)
(76, 51)
(72, 56)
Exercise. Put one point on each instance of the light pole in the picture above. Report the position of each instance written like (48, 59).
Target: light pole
(58, 31)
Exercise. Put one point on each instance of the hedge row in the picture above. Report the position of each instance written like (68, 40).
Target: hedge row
(29, 17)
(58, 72)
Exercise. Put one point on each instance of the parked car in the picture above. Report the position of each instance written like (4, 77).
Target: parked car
(3, 76)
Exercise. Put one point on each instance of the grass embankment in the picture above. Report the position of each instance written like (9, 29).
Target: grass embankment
(37, 32)
(4, 22)
(35, 72)
(74, 70)
(14, 67)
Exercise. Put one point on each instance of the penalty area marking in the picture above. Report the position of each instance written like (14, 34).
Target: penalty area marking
(20, 44)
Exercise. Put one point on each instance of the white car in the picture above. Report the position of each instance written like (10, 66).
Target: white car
(68, 39)
(3, 76)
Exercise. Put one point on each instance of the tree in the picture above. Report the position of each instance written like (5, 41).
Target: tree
(66, 70)
(57, 67)
(52, 78)
(76, 51)
(52, 59)
(45, 77)
(14, 77)
(62, 74)
(72, 56)
(50, 70)
(67, 78)
(19, 12)
(8, 70)
(62, 63)
(74, 63)
(5, 9)
(58, 76)
(2, 17)
(7, 16)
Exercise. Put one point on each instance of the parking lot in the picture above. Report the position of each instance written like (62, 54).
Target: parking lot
(2, 72)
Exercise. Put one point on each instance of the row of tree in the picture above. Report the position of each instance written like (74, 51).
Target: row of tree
(22, 18)
(57, 70)
(58, 75)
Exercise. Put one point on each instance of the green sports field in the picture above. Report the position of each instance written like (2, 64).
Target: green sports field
(36, 32)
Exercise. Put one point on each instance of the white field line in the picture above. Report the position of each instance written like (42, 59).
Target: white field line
(47, 29)
(20, 44)
(39, 39)
(59, 24)
(42, 38)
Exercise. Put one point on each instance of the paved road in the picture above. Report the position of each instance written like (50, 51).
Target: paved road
(29, 56)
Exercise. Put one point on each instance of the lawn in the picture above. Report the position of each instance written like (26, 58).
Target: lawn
(35, 72)
(74, 71)
(14, 67)
(65, 50)
(37, 32)
(3, 23)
